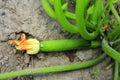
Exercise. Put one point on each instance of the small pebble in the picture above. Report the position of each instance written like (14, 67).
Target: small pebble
(2, 62)
(41, 56)
(1, 56)
(11, 52)
(6, 58)
(18, 67)
(14, 51)
(12, 36)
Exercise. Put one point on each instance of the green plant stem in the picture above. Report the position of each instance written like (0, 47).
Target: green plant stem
(110, 51)
(91, 27)
(48, 9)
(117, 47)
(52, 69)
(65, 6)
(116, 71)
(71, 15)
(116, 44)
(115, 13)
(68, 44)
(95, 44)
(115, 34)
(97, 11)
(62, 18)
(81, 6)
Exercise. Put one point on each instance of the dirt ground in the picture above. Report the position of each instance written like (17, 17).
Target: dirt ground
(28, 16)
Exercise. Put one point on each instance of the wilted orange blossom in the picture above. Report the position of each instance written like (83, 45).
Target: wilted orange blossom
(30, 45)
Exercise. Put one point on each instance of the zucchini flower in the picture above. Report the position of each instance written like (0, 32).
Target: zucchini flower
(32, 46)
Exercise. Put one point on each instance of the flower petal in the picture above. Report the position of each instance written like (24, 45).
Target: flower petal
(14, 41)
(32, 46)
(23, 37)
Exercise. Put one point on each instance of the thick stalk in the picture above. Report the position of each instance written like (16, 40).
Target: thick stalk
(115, 13)
(71, 15)
(110, 51)
(116, 71)
(52, 69)
(62, 18)
(48, 9)
(81, 6)
(97, 11)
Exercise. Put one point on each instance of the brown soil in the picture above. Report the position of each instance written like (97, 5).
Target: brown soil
(28, 16)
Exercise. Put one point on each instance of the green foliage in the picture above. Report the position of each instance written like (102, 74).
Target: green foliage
(114, 1)
(90, 23)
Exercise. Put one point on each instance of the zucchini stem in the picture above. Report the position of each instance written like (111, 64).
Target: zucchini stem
(52, 69)
(110, 51)
(116, 71)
